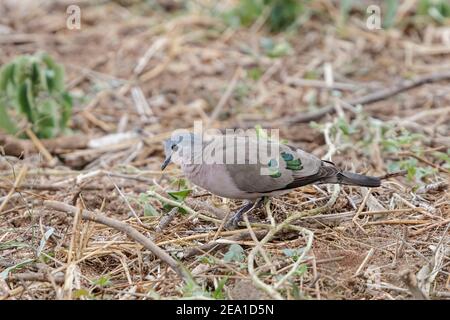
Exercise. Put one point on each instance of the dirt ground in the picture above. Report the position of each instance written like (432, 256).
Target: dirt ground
(145, 71)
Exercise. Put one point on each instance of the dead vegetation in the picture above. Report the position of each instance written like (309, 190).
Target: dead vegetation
(90, 216)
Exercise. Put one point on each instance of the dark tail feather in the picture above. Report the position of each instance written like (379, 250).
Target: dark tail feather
(355, 179)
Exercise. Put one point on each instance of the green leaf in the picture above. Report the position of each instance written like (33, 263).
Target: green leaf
(35, 75)
(6, 76)
(283, 14)
(50, 80)
(207, 260)
(235, 253)
(47, 120)
(423, 172)
(67, 104)
(411, 173)
(275, 50)
(55, 78)
(293, 253)
(280, 49)
(150, 211)
(179, 195)
(192, 289)
(393, 166)
(391, 11)
(13, 245)
(346, 6)
(22, 70)
(248, 11)
(5, 121)
(102, 281)
(81, 293)
(443, 157)
(290, 252)
(301, 270)
(218, 293)
(25, 100)
(5, 273)
(44, 240)
(255, 73)
(266, 43)
(345, 127)
(312, 75)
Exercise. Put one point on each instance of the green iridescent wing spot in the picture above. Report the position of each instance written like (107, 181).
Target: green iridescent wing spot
(273, 168)
(294, 165)
(276, 174)
(287, 156)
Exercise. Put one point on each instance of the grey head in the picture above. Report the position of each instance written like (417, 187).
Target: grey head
(181, 145)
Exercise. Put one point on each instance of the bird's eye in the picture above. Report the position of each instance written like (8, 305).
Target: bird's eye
(174, 147)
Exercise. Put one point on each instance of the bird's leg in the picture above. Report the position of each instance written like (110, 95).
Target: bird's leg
(248, 206)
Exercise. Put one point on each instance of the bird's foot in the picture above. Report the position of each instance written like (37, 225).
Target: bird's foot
(233, 221)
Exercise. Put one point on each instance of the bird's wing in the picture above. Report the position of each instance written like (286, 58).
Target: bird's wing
(287, 168)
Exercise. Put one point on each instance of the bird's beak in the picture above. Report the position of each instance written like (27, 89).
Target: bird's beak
(166, 162)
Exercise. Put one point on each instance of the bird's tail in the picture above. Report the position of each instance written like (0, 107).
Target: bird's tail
(331, 174)
(354, 179)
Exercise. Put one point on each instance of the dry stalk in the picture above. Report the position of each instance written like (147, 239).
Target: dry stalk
(192, 213)
(379, 95)
(287, 223)
(128, 230)
(17, 182)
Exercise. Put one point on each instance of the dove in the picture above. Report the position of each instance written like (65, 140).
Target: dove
(251, 168)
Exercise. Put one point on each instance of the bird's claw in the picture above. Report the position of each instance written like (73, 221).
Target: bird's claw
(233, 221)
(248, 206)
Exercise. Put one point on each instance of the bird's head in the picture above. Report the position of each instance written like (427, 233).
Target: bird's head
(180, 147)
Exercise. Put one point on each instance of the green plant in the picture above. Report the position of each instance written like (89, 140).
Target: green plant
(235, 253)
(179, 196)
(219, 293)
(82, 293)
(439, 10)
(273, 49)
(32, 88)
(281, 14)
(255, 73)
(345, 7)
(192, 289)
(144, 201)
(363, 131)
(293, 253)
(413, 171)
(102, 281)
(444, 157)
(391, 12)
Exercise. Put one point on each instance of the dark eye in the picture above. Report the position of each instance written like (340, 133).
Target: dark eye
(174, 147)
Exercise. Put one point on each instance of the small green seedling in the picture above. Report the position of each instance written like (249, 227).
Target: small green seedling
(102, 281)
(32, 90)
(439, 10)
(235, 253)
(281, 14)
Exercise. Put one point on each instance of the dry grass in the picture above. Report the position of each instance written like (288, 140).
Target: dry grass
(390, 242)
